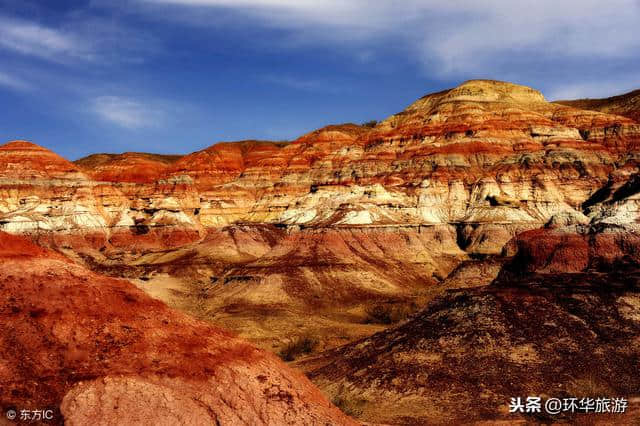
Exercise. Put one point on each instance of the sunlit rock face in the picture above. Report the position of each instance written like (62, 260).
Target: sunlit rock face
(486, 183)
(132, 167)
(40, 192)
(489, 158)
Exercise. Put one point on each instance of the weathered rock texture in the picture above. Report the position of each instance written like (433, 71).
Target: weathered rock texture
(98, 350)
(562, 319)
(345, 213)
(482, 154)
(128, 167)
(627, 105)
(322, 235)
(470, 351)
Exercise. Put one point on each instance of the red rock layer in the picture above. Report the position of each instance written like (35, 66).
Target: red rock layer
(93, 347)
(131, 167)
(25, 160)
(226, 161)
(571, 250)
(485, 153)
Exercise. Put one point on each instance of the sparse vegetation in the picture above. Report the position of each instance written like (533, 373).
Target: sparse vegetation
(350, 404)
(388, 313)
(200, 297)
(370, 123)
(300, 345)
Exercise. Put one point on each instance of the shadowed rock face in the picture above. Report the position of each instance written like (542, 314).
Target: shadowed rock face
(469, 352)
(562, 319)
(93, 347)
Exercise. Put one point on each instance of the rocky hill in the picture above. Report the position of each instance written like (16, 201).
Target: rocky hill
(561, 320)
(127, 167)
(348, 214)
(627, 105)
(91, 347)
(482, 153)
(486, 190)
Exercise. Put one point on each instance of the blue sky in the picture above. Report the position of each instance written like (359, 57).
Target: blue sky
(175, 76)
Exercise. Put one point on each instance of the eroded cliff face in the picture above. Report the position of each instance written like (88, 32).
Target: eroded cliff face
(523, 208)
(562, 319)
(43, 194)
(481, 154)
(346, 213)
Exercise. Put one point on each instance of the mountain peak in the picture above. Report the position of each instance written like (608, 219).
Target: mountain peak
(21, 145)
(481, 91)
(22, 158)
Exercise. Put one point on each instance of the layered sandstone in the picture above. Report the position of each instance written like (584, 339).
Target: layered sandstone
(42, 193)
(133, 167)
(627, 105)
(562, 319)
(481, 154)
(94, 348)
(324, 238)
(352, 214)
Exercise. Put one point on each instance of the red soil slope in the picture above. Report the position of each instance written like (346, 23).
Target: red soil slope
(92, 347)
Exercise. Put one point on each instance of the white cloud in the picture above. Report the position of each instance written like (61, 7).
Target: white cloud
(31, 39)
(451, 39)
(304, 84)
(80, 38)
(537, 29)
(13, 82)
(127, 112)
(594, 89)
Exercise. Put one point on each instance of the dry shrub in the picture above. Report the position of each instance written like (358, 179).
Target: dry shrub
(350, 404)
(300, 345)
(388, 313)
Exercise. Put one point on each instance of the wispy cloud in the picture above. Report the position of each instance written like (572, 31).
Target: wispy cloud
(32, 39)
(302, 83)
(13, 82)
(81, 39)
(126, 112)
(594, 89)
(451, 40)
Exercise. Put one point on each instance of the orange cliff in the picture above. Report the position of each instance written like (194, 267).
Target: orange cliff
(481, 154)
(131, 167)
